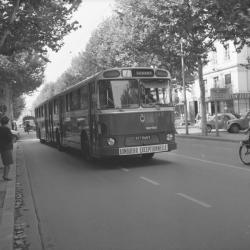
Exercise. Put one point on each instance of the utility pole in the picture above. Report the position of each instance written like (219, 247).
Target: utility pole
(184, 88)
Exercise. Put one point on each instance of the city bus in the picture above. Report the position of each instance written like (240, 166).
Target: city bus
(116, 112)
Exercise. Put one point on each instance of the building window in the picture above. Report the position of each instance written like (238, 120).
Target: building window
(228, 79)
(226, 52)
(216, 82)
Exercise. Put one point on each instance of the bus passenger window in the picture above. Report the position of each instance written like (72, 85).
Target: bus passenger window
(84, 97)
(74, 100)
(55, 107)
(67, 103)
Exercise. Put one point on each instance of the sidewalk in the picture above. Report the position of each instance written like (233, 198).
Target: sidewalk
(195, 133)
(7, 206)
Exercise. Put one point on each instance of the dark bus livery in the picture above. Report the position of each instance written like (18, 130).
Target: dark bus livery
(117, 112)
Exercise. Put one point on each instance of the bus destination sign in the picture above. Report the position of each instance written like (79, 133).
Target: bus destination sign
(142, 72)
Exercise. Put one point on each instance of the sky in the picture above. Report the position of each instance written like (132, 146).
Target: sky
(89, 14)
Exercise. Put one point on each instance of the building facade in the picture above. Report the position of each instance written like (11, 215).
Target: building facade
(226, 69)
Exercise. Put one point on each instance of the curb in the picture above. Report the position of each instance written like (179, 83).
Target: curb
(8, 214)
(208, 138)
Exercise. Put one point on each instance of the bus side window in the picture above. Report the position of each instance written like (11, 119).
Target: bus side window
(55, 106)
(67, 102)
(74, 100)
(84, 97)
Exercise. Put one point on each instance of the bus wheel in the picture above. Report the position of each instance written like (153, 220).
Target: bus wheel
(147, 156)
(85, 147)
(58, 142)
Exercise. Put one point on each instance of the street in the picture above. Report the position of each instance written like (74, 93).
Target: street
(196, 197)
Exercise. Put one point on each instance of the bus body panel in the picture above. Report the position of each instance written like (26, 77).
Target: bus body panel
(135, 129)
(73, 124)
(76, 113)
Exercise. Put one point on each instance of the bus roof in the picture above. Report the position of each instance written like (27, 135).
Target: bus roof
(121, 72)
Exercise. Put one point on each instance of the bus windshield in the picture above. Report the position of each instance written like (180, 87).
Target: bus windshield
(118, 93)
(155, 91)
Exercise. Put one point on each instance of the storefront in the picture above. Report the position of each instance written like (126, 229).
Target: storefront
(241, 102)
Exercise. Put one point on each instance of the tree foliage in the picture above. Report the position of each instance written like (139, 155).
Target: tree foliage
(35, 25)
(233, 20)
(28, 29)
(18, 106)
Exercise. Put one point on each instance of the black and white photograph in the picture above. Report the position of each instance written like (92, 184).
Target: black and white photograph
(124, 125)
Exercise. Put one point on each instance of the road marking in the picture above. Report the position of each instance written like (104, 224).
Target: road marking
(150, 181)
(211, 162)
(194, 200)
(125, 169)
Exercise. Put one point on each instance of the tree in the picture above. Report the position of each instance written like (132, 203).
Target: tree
(233, 20)
(23, 71)
(35, 25)
(18, 106)
(27, 30)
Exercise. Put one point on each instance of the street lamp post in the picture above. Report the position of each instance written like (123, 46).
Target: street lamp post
(184, 89)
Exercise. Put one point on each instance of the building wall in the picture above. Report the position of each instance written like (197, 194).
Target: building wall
(223, 65)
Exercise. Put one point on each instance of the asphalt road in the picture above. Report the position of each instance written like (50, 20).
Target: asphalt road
(197, 197)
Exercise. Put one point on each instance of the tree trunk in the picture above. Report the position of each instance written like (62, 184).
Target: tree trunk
(202, 98)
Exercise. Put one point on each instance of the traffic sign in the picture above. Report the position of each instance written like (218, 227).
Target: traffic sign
(219, 94)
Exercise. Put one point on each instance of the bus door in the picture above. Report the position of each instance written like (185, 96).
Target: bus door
(92, 117)
(61, 113)
(46, 121)
(51, 127)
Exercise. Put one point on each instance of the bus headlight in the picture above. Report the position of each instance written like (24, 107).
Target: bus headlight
(169, 137)
(111, 141)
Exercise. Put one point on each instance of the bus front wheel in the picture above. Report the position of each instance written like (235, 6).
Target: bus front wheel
(58, 141)
(85, 147)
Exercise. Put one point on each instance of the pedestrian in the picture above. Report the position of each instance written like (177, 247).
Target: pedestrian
(6, 147)
(27, 127)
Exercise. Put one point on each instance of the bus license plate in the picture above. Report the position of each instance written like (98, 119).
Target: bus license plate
(143, 149)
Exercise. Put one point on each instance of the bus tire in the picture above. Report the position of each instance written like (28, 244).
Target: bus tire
(58, 141)
(147, 156)
(85, 146)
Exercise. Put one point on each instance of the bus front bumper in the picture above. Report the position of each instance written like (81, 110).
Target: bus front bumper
(137, 150)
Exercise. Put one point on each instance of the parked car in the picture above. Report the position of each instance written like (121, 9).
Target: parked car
(234, 126)
(223, 119)
(15, 135)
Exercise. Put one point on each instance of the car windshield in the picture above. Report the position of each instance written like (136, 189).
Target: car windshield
(118, 94)
(155, 92)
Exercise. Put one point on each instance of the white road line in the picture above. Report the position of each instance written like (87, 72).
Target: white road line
(125, 169)
(150, 181)
(194, 200)
(211, 162)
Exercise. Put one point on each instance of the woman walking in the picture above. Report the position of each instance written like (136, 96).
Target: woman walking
(6, 147)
